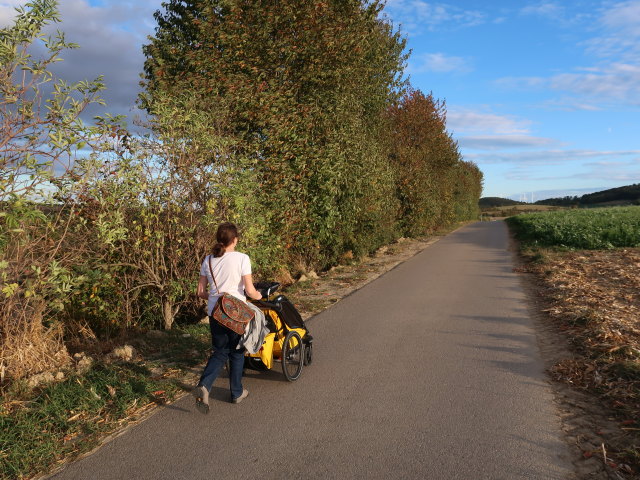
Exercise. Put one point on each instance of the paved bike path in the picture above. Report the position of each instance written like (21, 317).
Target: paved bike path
(429, 372)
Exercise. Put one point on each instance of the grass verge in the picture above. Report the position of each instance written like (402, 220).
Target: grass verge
(43, 427)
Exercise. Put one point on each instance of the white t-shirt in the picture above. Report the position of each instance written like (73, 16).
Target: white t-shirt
(228, 270)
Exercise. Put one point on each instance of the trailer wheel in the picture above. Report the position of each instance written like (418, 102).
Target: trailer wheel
(308, 353)
(292, 356)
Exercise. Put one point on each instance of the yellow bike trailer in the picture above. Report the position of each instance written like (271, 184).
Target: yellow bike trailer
(288, 340)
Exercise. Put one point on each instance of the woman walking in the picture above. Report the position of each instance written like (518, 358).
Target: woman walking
(232, 273)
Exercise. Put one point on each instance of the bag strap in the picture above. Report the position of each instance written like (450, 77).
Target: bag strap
(214, 278)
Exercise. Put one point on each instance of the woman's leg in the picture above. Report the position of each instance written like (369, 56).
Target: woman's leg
(236, 364)
(221, 348)
(236, 360)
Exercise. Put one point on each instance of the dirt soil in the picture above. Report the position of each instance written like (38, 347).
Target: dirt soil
(587, 309)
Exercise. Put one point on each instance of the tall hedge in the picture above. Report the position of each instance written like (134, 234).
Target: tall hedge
(300, 90)
(435, 186)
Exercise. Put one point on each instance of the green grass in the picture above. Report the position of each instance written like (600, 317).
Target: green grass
(67, 417)
(582, 229)
(62, 420)
(186, 346)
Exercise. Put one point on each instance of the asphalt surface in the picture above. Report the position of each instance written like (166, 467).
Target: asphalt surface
(429, 372)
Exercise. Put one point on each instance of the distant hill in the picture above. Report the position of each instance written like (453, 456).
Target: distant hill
(490, 202)
(627, 195)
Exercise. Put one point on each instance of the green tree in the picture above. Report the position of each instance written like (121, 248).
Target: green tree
(425, 155)
(467, 191)
(298, 91)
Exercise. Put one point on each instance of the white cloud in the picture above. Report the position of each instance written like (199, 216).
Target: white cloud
(620, 37)
(438, 63)
(618, 81)
(469, 121)
(544, 9)
(613, 79)
(618, 176)
(110, 36)
(483, 130)
(566, 14)
(625, 16)
(499, 142)
(612, 163)
(110, 41)
(550, 157)
(555, 193)
(416, 16)
(622, 177)
(590, 87)
(8, 11)
(570, 104)
(521, 82)
(612, 170)
(564, 169)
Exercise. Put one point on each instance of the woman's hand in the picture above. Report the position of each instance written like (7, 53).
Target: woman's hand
(249, 289)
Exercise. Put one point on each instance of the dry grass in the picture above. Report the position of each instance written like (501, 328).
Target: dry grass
(594, 299)
(28, 347)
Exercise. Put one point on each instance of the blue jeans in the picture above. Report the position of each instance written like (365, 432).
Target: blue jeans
(224, 343)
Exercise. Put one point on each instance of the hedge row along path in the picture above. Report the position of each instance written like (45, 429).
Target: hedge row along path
(430, 371)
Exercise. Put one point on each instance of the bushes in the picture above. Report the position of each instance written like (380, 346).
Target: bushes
(39, 136)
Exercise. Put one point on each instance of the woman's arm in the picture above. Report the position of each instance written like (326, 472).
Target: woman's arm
(202, 287)
(249, 289)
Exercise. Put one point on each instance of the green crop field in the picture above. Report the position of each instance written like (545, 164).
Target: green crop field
(588, 229)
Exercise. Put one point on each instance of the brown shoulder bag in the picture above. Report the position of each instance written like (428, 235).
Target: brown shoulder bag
(229, 311)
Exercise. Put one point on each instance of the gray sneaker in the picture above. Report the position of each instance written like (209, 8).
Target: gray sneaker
(245, 392)
(201, 395)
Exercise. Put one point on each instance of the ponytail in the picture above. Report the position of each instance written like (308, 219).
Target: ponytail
(226, 234)
(218, 250)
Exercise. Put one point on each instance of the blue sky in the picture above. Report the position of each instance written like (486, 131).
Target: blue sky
(543, 96)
